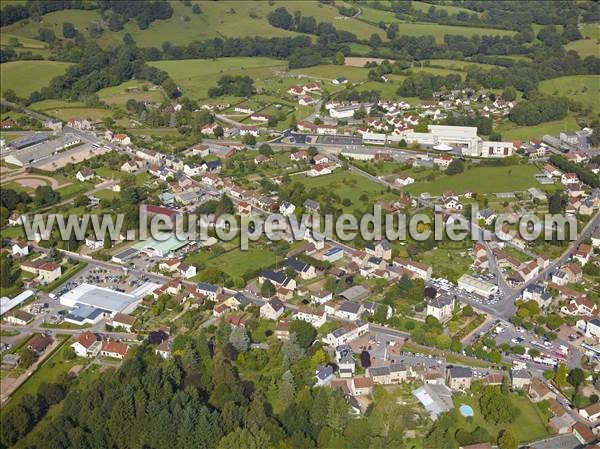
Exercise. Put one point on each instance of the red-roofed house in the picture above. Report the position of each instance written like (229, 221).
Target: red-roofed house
(113, 348)
(87, 345)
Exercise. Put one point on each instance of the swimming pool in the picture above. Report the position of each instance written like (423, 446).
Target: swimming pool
(466, 410)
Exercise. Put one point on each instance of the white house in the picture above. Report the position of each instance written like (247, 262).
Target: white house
(87, 345)
(249, 130)
(20, 249)
(403, 180)
(272, 309)
(313, 316)
(569, 178)
(286, 208)
(440, 307)
(85, 174)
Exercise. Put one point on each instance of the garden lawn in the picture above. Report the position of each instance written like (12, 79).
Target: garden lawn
(449, 263)
(528, 426)
(25, 77)
(481, 180)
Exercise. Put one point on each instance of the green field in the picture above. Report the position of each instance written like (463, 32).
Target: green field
(196, 76)
(510, 131)
(232, 18)
(25, 77)
(118, 95)
(529, 425)
(582, 88)
(328, 72)
(51, 370)
(235, 262)
(589, 45)
(481, 180)
(347, 185)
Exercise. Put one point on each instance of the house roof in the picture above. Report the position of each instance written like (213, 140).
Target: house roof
(584, 432)
(275, 304)
(363, 382)
(350, 307)
(124, 318)
(115, 347)
(87, 339)
(457, 372)
(40, 342)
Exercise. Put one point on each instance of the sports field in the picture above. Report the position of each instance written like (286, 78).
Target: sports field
(25, 77)
(582, 88)
(481, 180)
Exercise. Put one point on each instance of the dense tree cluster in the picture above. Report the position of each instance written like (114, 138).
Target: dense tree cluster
(425, 84)
(583, 173)
(199, 399)
(538, 110)
(144, 13)
(239, 86)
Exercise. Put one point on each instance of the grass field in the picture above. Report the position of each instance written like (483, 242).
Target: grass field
(51, 369)
(481, 180)
(233, 18)
(118, 95)
(589, 45)
(93, 114)
(25, 77)
(329, 72)
(582, 88)
(196, 76)
(235, 262)
(529, 425)
(343, 183)
(510, 131)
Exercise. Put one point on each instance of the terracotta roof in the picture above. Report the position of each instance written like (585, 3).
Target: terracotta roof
(584, 432)
(363, 382)
(115, 347)
(39, 343)
(87, 339)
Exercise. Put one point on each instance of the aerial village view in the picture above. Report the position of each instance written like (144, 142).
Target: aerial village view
(123, 123)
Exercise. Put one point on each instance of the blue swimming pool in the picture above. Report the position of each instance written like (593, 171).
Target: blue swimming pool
(466, 410)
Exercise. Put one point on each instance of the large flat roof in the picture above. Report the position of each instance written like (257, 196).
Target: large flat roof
(98, 297)
(163, 246)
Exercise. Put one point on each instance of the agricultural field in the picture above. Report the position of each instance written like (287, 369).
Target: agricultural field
(25, 77)
(582, 88)
(481, 179)
(134, 89)
(327, 72)
(511, 131)
(197, 76)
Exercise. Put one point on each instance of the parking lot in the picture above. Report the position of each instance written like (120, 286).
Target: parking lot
(463, 295)
(557, 350)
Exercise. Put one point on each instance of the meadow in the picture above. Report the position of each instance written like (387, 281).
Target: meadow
(481, 180)
(233, 18)
(133, 89)
(511, 131)
(589, 45)
(582, 88)
(197, 76)
(25, 77)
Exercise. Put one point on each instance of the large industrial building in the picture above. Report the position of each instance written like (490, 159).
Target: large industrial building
(462, 140)
(165, 245)
(89, 302)
(34, 153)
(474, 285)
